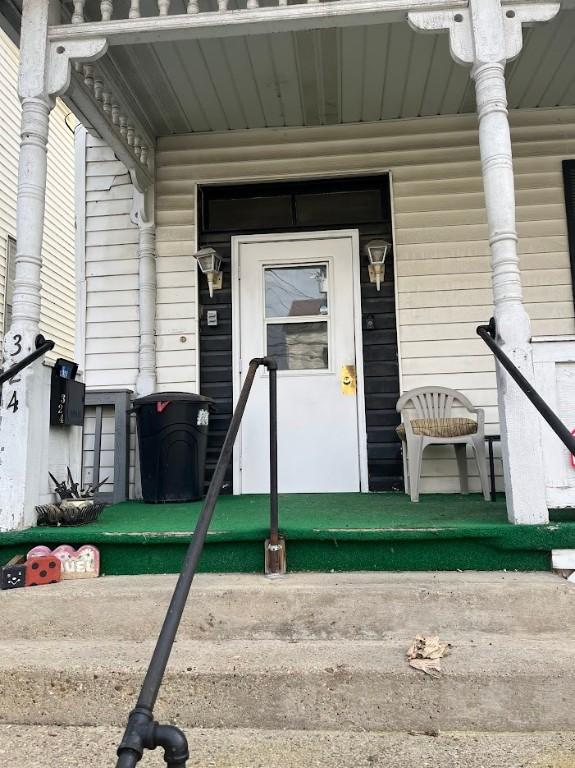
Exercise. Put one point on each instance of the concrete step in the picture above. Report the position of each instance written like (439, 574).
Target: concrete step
(39, 747)
(367, 606)
(489, 683)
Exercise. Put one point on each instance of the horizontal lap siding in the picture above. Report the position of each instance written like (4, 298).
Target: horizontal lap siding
(112, 300)
(58, 301)
(177, 306)
(441, 247)
(112, 310)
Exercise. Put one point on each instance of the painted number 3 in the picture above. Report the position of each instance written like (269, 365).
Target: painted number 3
(18, 343)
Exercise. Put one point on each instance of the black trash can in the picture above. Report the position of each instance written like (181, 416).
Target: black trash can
(172, 437)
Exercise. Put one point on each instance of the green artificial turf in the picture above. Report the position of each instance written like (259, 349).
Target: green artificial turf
(323, 532)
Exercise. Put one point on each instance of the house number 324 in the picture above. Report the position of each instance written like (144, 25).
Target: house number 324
(13, 402)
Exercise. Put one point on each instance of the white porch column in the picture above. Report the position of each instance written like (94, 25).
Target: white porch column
(143, 204)
(24, 422)
(485, 36)
(23, 413)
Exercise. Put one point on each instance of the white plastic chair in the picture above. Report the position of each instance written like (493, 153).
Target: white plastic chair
(426, 420)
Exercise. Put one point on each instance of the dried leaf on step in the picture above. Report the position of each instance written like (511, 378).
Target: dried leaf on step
(425, 653)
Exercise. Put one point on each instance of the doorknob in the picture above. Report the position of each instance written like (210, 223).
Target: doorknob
(348, 380)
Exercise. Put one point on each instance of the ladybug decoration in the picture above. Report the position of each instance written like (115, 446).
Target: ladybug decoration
(46, 569)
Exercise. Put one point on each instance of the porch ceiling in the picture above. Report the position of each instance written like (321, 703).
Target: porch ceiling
(327, 76)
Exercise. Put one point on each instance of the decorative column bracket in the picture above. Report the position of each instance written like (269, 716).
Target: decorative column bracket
(71, 72)
(472, 40)
(62, 56)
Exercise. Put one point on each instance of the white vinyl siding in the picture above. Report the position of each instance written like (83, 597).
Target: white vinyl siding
(112, 324)
(10, 276)
(58, 263)
(441, 246)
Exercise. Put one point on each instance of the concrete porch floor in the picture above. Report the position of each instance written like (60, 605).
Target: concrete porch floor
(324, 532)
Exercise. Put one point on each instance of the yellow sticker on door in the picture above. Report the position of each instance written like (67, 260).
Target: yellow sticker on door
(348, 380)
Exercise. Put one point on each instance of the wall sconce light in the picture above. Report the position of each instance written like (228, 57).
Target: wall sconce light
(209, 263)
(377, 250)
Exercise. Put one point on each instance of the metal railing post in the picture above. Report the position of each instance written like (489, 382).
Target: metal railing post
(274, 533)
(275, 555)
(142, 732)
(487, 333)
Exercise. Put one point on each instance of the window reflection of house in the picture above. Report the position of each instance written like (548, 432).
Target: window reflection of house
(299, 346)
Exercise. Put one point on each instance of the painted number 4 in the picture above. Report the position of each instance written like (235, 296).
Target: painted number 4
(13, 402)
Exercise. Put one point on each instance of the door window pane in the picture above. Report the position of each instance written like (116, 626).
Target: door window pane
(298, 346)
(296, 291)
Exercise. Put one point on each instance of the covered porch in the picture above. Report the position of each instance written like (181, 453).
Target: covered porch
(182, 101)
(323, 532)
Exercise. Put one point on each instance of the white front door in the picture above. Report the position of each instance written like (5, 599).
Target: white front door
(295, 301)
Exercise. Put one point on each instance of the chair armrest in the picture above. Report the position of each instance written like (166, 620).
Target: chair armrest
(480, 413)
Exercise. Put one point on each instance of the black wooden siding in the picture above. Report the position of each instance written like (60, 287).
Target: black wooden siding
(362, 204)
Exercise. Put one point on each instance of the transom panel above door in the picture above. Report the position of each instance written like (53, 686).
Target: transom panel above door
(296, 299)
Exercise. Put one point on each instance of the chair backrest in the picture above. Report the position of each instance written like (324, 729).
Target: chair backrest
(433, 402)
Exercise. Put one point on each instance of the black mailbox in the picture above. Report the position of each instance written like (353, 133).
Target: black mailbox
(66, 395)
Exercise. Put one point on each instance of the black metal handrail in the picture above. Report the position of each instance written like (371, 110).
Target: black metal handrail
(42, 346)
(487, 333)
(142, 732)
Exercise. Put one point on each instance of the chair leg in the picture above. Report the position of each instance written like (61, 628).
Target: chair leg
(461, 456)
(481, 458)
(415, 457)
(405, 468)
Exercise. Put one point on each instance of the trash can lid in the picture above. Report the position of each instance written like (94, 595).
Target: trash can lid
(173, 397)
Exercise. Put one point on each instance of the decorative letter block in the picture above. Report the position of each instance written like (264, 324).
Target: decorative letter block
(14, 573)
(83, 563)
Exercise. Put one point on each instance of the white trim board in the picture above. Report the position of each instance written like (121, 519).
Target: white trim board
(353, 235)
(80, 214)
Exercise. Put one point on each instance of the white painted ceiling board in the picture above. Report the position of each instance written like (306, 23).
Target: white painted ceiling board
(553, 57)
(417, 82)
(376, 58)
(521, 70)
(241, 74)
(558, 89)
(148, 84)
(259, 47)
(284, 58)
(456, 91)
(353, 46)
(438, 78)
(318, 62)
(181, 88)
(207, 81)
(329, 76)
(398, 61)
(308, 53)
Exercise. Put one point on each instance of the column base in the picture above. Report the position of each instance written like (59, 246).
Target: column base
(521, 448)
